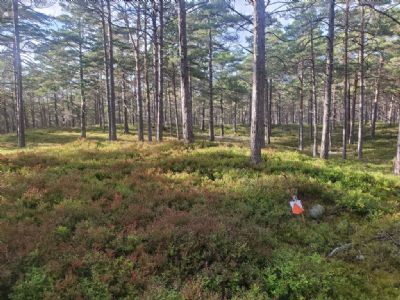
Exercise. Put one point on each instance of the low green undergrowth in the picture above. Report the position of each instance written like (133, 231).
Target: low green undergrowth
(126, 220)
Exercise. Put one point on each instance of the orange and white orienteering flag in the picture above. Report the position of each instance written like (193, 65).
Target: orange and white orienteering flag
(297, 207)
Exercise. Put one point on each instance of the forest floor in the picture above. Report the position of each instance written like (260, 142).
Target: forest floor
(92, 219)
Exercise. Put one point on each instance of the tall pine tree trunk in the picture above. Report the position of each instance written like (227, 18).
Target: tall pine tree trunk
(96, 108)
(175, 101)
(18, 78)
(32, 113)
(266, 111)
(56, 110)
(102, 115)
(235, 117)
(119, 119)
(376, 97)
(210, 88)
(5, 116)
(133, 99)
(203, 116)
(309, 108)
(82, 85)
(160, 81)
(257, 115)
(106, 64)
(270, 88)
(301, 113)
(113, 127)
(139, 98)
(346, 99)
(138, 77)
(222, 116)
(170, 109)
(146, 77)
(391, 109)
(397, 160)
(279, 110)
(314, 96)
(155, 59)
(362, 87)
(125, 103)
(328, 84)
(353, 109)
(187, 118)
(71, 100)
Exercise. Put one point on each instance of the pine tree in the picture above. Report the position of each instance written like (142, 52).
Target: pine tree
(257, 115)
(328, 84)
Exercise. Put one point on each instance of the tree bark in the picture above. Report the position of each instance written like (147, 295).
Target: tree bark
(279, 110)
(222, 116)
(314, 96)
(346, 99)
(175, 102)
(362, 87)
(133, 99)
(125, 103)
(270, 88)
(334, 113)
(138, 77)
(301, 113)
(119, 115)
(56, 110)
(160, 81)
(102, 115)
(18, 78)
(397, 160)
(376, 97)
(155, 59)
(353, 109)
(390, 116)
(113, 127)
(32, 113)
(257, 126)
(203, 116)
(328, 84)
(71, 100)
(146, 77)
(170, 109)
(106, 65)
(187, 118)
(210, 88)
(235, 117)
(309, 116)
(266, 112)
(42, 117)
(96, 108)
(139, 98)
(82, 85)
(5, 116)
(293, 112)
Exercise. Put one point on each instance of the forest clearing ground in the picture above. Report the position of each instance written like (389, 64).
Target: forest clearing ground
(100, 220)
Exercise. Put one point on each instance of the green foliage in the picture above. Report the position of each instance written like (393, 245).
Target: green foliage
(95, 289)
(296, 275)
(63, 232)
(36, 284)
(129, 220)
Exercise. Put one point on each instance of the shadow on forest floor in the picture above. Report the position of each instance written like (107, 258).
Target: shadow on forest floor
(94, 219)
(378, 152)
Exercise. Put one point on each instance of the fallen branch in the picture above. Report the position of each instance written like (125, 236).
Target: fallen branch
(383, 236)
(340, 249)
